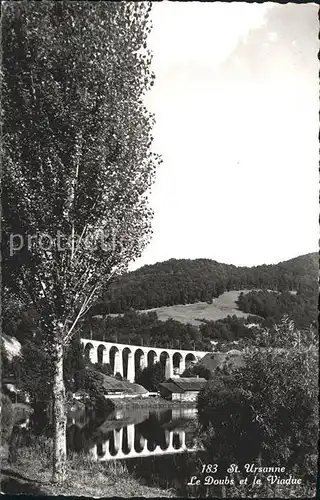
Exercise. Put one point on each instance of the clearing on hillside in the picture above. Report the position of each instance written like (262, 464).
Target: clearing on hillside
(221, 307)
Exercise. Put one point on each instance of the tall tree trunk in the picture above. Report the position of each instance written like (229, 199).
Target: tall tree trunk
(59, 418)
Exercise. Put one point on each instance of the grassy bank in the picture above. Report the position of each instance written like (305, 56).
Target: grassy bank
(31, 475)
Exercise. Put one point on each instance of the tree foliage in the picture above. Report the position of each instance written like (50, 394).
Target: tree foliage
(5, 361)
(151, 376)
(74, 362)
(198, 370)
(33, 368)
(104, 368)
(185, 281)
(7, 417)
(34, 371)
(271, 400)
(91, 381)
(146, 329)
(76, 147)
(301, 307)
(77, 163)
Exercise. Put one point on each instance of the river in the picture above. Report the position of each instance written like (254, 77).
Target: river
(156, 445)
(132, 433)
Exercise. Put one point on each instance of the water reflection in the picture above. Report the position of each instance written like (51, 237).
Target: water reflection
(126, 443)
(131, 433)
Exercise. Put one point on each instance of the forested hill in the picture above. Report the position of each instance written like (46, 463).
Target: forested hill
(186, 281)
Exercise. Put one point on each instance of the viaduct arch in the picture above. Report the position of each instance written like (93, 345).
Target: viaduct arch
(126, 359)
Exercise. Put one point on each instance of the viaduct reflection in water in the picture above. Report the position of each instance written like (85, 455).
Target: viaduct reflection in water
(132, 433)
(127, 442)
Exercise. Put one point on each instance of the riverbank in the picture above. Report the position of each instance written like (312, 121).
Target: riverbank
(140, 402)
(32, 472)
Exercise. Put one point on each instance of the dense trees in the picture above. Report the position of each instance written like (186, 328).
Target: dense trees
(150, 377)
(91, 381)
(19, 319)
(230, 329)
(5, 362)
(104, 368)
(7, 415)
(266, 411)
(73, 362)
(147, 329)
(77, 163)
(302, 307)
(32, 369)
(186, 281)
(198, 370)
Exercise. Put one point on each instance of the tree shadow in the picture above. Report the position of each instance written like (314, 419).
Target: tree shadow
(13, 483)
(13, 486)
(13, 473)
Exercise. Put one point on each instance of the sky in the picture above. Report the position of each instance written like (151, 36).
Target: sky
(236, 108)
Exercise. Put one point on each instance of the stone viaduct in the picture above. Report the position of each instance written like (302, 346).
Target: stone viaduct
(126, 359)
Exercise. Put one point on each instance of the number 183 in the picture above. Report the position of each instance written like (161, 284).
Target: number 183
(209, 468)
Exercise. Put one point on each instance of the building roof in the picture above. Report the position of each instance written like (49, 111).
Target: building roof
(234, 351)
(184, 384)
(113, 389)
(112, 384)
(171, 387)
(189, 383)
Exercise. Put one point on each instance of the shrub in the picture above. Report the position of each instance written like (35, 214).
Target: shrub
(104, 368)
(21, 412)
(91, 381)
(150, 377)
(39, 448)
(272, 399)
(198, 369)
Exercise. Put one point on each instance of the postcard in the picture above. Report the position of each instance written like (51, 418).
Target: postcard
(159, 249)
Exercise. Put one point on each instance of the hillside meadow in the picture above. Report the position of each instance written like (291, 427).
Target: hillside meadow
(221, 307)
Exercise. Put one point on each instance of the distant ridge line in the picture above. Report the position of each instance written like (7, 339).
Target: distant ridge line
(183, 281)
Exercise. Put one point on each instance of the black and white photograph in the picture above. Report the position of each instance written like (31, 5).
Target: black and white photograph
(159, 249)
